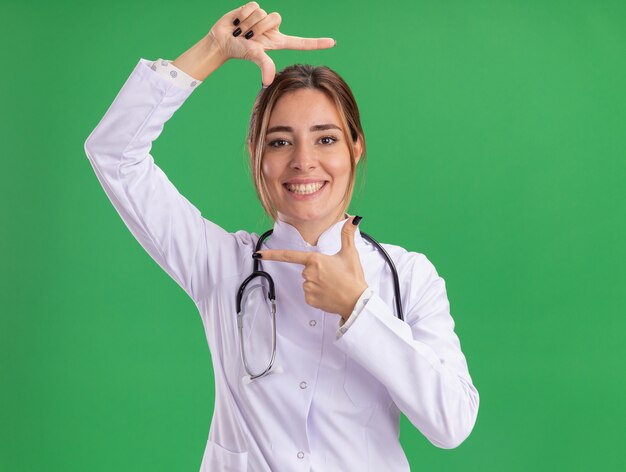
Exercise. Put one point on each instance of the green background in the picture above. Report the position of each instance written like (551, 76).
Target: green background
(496, 146)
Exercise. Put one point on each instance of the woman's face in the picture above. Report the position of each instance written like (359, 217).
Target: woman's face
(306, 162)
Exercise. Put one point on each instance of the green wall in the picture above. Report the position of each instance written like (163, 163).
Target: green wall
(496, 146)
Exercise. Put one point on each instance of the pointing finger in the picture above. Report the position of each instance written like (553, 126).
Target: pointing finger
(285, 255)
(295, 42)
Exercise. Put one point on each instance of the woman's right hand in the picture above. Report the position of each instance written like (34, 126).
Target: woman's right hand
(221, 44)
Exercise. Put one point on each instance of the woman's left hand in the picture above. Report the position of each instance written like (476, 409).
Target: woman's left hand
(331, 283)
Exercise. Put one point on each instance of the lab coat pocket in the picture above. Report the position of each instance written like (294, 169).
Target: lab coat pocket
(362, 388)
(219, 459)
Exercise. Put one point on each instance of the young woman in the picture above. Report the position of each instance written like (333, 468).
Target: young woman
(318, 342)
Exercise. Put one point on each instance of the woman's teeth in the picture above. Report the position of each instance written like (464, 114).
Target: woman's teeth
(305, 189)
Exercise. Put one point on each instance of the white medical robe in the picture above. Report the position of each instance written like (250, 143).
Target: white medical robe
(336, 404)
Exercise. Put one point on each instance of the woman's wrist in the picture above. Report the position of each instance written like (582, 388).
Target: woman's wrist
(352, 305)
(201, 60)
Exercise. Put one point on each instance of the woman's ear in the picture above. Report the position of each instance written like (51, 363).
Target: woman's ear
(358, 150)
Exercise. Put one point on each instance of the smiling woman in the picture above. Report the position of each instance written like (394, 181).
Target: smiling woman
(356, 332)
(304, 165)
(306, 129)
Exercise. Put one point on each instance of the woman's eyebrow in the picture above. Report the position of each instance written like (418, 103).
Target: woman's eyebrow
(289, 129)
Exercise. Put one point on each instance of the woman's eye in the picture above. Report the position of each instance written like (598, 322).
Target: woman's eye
(277, 143)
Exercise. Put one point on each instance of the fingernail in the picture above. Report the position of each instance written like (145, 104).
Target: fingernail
(249, 34)
(236, 22)
(335, 42)
(357, 220)
(237, 32)
(256, 255)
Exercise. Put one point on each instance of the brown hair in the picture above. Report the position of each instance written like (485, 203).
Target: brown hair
(294, 77)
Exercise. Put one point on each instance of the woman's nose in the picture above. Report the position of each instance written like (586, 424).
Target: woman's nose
(303, 158)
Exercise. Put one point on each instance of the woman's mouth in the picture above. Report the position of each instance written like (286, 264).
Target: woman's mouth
(305, 191)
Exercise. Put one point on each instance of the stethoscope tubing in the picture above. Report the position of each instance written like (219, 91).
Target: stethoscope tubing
(394, 274)
(272, 297)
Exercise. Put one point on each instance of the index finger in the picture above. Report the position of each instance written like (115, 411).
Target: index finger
(285, 255)
(296, 42)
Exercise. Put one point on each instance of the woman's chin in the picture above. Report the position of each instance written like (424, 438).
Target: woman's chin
(301, 215)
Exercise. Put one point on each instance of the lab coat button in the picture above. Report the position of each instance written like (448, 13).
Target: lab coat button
(300, 455)
(312, 323)
(303, 385)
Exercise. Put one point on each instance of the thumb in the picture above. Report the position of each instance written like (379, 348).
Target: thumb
(268, 68)
(347, 233)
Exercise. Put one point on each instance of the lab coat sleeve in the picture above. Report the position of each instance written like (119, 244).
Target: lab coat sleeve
(191, 249)
(358, 308)
(180, 78)
(418, 360)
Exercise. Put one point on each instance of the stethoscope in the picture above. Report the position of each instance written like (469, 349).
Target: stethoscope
(256, 272)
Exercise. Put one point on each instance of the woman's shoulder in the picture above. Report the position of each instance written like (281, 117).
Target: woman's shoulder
(417, 275)
(412, 266)
(405, 258)
(245, 237)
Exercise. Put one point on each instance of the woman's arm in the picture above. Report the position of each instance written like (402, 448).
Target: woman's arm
(163, 221)
(419, 361)
(192, 250)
